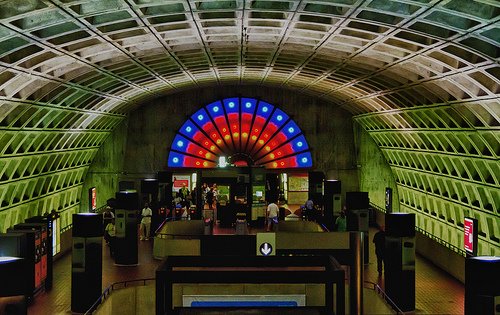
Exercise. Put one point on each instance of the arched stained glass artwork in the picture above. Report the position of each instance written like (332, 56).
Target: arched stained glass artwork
(246, 131)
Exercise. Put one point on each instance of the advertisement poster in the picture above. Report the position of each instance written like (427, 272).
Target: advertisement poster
(179, 180)
(298, 183)
(93, 199)
(469, 235)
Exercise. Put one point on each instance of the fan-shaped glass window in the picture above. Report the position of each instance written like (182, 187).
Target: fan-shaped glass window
(241, 132)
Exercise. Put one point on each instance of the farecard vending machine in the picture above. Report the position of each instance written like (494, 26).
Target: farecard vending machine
(48, 221)
(126, 251)
(399, 267)
(43, 247)
(86, 262)
(28, 247)
(126, 220)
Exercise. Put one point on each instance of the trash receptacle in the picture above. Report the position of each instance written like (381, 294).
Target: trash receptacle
(209, 226)
(241, 227)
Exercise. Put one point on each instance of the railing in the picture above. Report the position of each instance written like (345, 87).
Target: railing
(111, 288)
(382, 294)
(431, 236)
(174, 236)
(442, 242)
(66, 228)
(163, 224)
(100, 209)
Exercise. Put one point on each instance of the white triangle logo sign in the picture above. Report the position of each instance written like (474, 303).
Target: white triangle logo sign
(266, 249)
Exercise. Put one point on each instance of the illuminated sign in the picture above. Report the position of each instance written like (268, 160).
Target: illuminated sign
(470, 236)
(179, 181)
(234, 127)
(388, 200)
(92, 199)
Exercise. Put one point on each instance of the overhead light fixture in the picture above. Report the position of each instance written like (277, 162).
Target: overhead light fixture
(222, 161)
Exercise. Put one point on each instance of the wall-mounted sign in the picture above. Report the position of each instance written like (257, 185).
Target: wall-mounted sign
(179, 181)
(388, 199)
(470, 236)
(240, 127)
(266, 244)
(92, 199)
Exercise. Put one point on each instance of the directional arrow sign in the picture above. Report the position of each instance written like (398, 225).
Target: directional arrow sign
(266, 249)
(266, 244)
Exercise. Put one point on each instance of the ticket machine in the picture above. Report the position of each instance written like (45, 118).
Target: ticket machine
(43, 247)
(86, 264)
(26, 244)
(48, 221)
(400, 259)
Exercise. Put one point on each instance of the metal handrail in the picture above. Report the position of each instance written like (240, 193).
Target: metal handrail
(375, 287)
(442, 242)
(111, 288)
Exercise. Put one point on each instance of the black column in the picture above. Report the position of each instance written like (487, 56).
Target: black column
(482, 291)
(126, 221)
(399, 269)
(332, 201)
(86, 267)
(316, 187)
(126, 251)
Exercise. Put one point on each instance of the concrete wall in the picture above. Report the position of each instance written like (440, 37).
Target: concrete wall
(327, 128)
(375, 172)
(444, 258)
(106, 168)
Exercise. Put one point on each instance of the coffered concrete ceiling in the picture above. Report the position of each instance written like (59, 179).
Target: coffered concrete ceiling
(421, 76)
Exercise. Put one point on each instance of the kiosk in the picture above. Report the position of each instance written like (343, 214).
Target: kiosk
(86, 265)
(399, 266)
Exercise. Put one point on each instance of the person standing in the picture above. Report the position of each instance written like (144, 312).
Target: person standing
(341, 222)
(272, 216)
(379, 240)
(146, 214)
(210, 198)
(310, 211)
(204, 191)
(109, 236)
(107, 216)
(184, 194)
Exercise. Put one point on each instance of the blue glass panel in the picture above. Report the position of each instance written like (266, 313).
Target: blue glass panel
(180, 143)
(244, 304)
(175, 159)
(279, 117)
(300, 144)
(264, 109)
(200, 117)
(304, 159)
(188, 129)
(232, 105)
(215, 109)
(248, 105)
(291, 129)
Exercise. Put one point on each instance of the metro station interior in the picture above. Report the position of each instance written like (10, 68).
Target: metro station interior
(397, 101)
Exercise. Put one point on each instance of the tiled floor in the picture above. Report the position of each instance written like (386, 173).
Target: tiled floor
(436, 291)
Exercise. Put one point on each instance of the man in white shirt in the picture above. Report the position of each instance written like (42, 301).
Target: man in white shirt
(272, 216)
(145, 222)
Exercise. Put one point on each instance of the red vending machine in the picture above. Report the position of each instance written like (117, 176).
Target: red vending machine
(42, 245)
(23, 243)
(49, 222)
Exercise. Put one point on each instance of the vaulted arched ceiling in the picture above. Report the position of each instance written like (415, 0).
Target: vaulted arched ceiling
(421, 76)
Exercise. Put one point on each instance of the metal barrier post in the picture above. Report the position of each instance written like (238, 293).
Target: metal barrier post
(356, 273)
